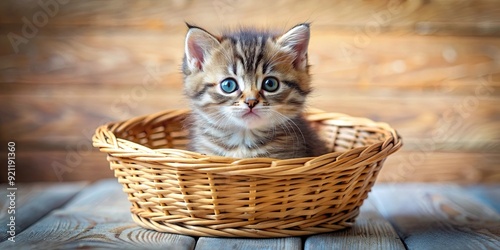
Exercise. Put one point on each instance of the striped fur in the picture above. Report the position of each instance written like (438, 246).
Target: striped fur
(254, 120)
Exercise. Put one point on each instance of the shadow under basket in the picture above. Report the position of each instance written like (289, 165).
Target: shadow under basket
(178, 191)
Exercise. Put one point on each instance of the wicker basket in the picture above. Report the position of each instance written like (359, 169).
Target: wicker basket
(178, 191)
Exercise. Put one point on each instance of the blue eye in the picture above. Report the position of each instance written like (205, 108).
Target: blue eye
(229, 85)
(270, 84)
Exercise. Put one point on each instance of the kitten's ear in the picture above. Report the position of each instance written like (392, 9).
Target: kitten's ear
(296, 40)
(198, 45)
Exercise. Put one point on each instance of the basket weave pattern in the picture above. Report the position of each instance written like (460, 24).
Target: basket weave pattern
(178, 191)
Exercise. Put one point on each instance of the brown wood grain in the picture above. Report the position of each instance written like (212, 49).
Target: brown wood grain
(464, 18)
(61, 166)
(93, 55)
(429, 68)
(438, 217)
(446, 167)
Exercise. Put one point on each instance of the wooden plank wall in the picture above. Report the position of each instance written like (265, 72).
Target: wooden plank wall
(429, 68)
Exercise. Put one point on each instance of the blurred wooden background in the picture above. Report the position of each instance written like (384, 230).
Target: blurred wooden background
(429, 68)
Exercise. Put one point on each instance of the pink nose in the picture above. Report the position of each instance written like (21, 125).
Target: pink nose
(251, 102)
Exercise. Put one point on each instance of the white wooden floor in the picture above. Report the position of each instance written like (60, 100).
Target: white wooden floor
(395, 216)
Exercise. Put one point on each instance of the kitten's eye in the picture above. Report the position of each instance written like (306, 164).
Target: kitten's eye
(229, 85)
(270, 84)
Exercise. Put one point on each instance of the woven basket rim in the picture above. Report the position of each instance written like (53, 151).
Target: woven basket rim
(105, 139)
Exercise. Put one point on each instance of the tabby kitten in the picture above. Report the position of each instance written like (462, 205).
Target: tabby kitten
(247, 90)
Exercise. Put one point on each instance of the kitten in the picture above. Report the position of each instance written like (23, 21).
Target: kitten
(247, 90)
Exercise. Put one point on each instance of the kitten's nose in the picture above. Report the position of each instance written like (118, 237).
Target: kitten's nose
(251, 102)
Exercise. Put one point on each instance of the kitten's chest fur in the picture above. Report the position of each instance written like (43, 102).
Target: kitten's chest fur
(243, 143)
(292, 139)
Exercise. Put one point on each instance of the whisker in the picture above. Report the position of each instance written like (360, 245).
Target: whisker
(289, 128)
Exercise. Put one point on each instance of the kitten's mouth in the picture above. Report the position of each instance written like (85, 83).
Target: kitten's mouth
(250, 114)
(252, 119)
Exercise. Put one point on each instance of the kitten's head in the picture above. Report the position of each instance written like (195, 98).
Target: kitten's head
(247, 78)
